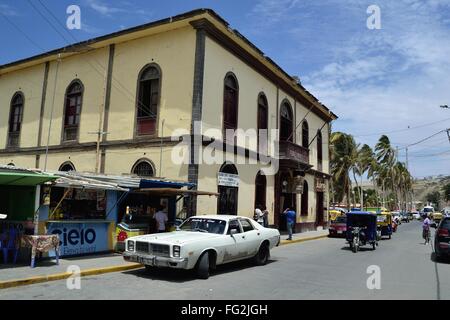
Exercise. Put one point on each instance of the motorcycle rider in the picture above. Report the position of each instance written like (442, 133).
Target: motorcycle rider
(426, 229)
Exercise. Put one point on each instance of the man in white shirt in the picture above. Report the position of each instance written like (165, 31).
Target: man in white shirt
(259, 216)
(161, 218)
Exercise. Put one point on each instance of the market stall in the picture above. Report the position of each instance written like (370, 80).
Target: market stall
(83, 212)
(20, 201)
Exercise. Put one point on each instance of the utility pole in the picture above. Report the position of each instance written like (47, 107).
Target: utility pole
(161, 148)
(51, 111)
(100, 132)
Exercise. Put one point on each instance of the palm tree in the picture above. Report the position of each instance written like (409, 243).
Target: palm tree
(361, 166)
(385, 155)
(343, 158)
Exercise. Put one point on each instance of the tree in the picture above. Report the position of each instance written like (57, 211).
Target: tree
(385, 156)
(343, 158)
(434, 198)
(446, 190)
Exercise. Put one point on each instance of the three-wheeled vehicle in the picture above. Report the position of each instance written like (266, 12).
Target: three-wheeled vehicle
(384, 224)
(361, 230)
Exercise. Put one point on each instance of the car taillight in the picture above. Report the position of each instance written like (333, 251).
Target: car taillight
(443, 233)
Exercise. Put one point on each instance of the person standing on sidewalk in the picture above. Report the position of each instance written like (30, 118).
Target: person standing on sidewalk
(290, 221)
(161, 218)
(265, 217)
(259, 216)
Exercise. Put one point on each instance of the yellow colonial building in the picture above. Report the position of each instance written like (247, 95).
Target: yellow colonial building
(117, 103)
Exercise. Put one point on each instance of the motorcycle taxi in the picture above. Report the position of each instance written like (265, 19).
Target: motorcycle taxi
(361, 230)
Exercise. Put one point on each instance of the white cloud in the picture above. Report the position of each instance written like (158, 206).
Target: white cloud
(7, 10)
(375, 80)
(108, 10)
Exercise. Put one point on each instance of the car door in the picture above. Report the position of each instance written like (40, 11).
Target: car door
(252, 236)
(236, 243)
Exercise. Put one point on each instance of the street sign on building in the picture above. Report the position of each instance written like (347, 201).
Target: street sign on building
(228, 180)
(320, 184)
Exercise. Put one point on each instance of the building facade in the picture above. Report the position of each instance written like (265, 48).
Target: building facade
(116, 105)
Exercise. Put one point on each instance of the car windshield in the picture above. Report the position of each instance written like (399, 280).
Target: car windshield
(427, 210)
(204, 225)
(341, 220)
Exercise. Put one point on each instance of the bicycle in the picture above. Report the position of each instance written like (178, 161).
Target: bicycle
(426, 235)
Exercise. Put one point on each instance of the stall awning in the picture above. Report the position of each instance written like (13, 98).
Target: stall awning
(90, 184)
(175, 192)
(28, 179)
(156, 184)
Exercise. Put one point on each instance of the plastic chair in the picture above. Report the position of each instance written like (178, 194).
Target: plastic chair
(10, 245)
(2, 240)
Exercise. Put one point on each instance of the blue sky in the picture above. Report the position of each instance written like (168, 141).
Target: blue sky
(391, 80)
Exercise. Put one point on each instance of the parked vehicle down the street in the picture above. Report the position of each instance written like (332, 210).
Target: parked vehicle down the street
(203, 242)
(338, 227)
(442, 239)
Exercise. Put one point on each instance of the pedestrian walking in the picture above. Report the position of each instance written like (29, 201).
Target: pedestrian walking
(290, 221)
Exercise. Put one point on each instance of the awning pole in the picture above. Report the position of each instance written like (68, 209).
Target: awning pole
(59, 203)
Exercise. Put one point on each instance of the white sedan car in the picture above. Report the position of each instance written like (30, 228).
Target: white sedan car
(202, 243)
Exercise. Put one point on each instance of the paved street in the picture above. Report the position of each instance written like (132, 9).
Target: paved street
(319, 269)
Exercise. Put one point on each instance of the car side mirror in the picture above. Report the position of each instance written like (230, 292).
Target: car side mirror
(433, 225)
(233, 232)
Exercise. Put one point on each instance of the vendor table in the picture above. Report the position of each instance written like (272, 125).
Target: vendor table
(41, 243)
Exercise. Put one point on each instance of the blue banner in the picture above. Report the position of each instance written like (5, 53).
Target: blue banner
(80, 238)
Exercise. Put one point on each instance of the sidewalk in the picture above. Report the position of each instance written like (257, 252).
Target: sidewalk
(47, 270)
(305, 236)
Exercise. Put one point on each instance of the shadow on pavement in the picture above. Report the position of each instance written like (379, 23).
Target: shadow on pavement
(362, 249)
(180, 276)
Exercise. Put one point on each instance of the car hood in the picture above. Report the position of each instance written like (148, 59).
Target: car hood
(176, 237)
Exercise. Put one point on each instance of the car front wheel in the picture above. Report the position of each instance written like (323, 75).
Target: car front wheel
(263, 255)
(202, 269)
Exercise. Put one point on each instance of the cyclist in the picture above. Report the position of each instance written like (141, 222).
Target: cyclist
(426, 229)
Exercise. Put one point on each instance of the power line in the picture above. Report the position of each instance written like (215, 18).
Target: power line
(131, 97)
(423, 140)
(402, 130)
(22, 32)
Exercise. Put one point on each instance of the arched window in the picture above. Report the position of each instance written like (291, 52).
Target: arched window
(304, 211)
(67, 167)
(148, 100)
(286, 122)
(227, 202)
(15, 119)
(319, 150)
(143, 168)
(305, 134)
(72, 111)
(230, 102)
(260, 190)
(263, 119)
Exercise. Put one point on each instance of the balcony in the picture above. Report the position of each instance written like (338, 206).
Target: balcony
(294, 152)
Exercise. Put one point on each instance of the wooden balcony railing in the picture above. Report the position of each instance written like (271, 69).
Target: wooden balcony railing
(292, 151)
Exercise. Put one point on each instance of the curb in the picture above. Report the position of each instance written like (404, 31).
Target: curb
(65, 275)
(286, 242)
